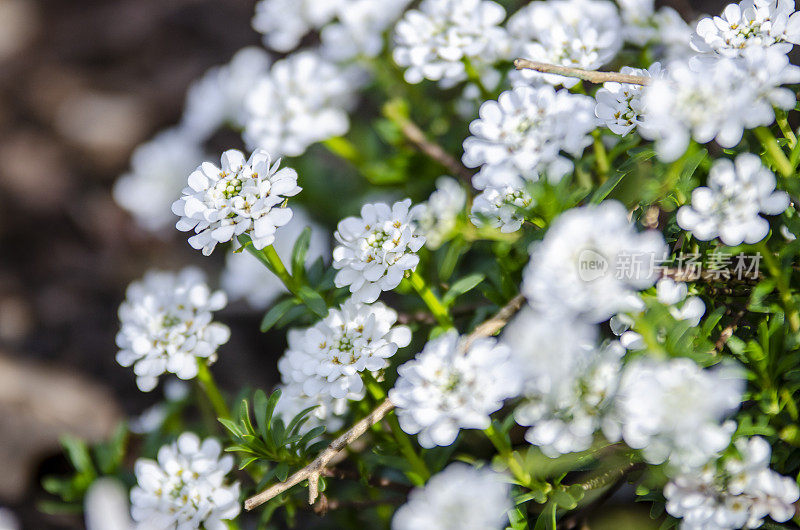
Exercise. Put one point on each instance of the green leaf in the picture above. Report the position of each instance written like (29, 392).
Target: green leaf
(313, 301)
(547, 519)
(607, 187)
(299, 253)
(260, 411)
(275, 314)
(78, 454)
(462, 286)
(232, 426)
(282, 471)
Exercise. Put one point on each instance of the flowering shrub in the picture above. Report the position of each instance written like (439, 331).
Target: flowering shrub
(635, 227)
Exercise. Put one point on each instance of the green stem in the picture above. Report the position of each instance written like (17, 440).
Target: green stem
(269, 257)
(407, 448)
(437, 308)
(475, 77)
(601, 156)
(774, 151)
(784, 290)
(786, 129)
(209, 386)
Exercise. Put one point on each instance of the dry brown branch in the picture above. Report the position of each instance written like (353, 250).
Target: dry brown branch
(587, 75)
(317, 467)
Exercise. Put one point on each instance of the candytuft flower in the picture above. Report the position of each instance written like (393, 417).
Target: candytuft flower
(376, 249)
(185, 488)
(501, 207)
(620, 105)
(445, 389)
(330, 356)
(166, 326)
(458, 498)
(437, 217)
(239, 197)
(437, 40)
(728, 208)
(285, 22)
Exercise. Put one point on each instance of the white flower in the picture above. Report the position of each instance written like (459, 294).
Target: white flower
(285, 22)
(524, 132)
(166, 326)
(458, 498)
(360, 29)
(376, 249)
(245, 277)
(328, 412)
(445, 388)
(673, 294)
(716, 100)
(728, 208)
(303, 100)
(591, 263)
(739, 493)
(185, 489)
(329, 357)
(750, 23)
(435, 41)
(438, 216)
(664, 30)
(8, 521)
(158, 173)
(579, 33)
(239, 197)
(620, 105)
(153, 418)
(673, 410)
(570, 381)
(499, 207)
(217, 98)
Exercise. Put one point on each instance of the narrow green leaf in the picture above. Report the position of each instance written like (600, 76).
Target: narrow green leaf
(299, 253)
(464, 285)
(313, 301)
(78, 454)
(275, 314)
(232, 426)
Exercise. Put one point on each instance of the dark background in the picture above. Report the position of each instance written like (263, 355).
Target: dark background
(82, 82)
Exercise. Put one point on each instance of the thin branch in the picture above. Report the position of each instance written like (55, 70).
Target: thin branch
(587, 75)
(727, 333)
(318, 467)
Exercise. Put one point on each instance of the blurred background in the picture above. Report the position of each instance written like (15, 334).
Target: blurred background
(82, 82)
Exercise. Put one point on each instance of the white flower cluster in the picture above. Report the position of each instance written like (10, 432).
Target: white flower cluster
(329, 357)
(664, 28)
(303, 99)
(738, 492)
(245, 277)
(729, 207)
(437, 217)
(327, 412)
(592, 263)
(672, 410)
(750, 23)
(523, 133)
(240, 197)
(359, 29)
(620, 105)
(570, 381)
(501, 207)
(166, 326)
(459, 498)
(448, 387)
(185, 488)
(285, 22)
(443, 38)
(579, 33)
(376, 249)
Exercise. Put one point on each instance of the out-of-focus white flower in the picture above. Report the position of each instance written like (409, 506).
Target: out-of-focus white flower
(185, 488)
(245, 277)
(376, 249)
(570, 381)
(360, 28)
(217, 98)
(240, 197)
(304, 99)
(105, 506)
(673, 294)
(153, 418)
(748, 24)
(499, 207)
(459, 498)
(716, 100)
(329, 357)
(673, 410)
(439, 39)
(166, 326)
(445, 389)
(729, 207)
(158, 173)
(578, 33)
(592, 263)
(621, 325)
(328, 412)
(620, 105)
(438, 216)
(285, 22)
(664, 29)
(8, 521)
(739, 492)
(524, 132)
